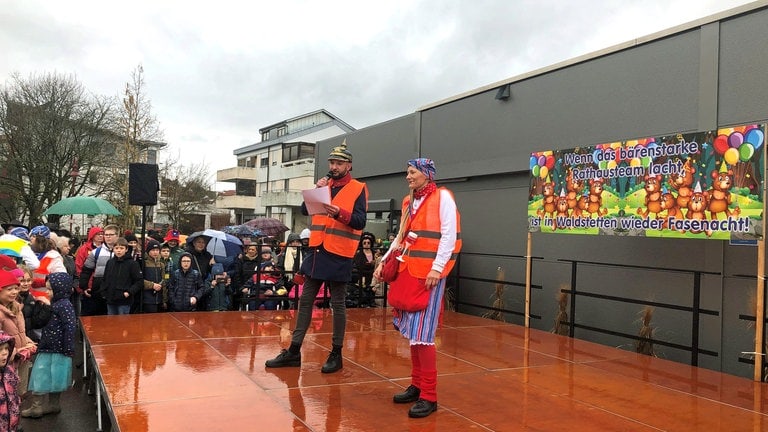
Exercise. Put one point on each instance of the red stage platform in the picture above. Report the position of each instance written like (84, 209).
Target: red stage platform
(204, 371)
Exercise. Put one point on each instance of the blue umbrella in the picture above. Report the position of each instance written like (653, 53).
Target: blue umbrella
(220, 244)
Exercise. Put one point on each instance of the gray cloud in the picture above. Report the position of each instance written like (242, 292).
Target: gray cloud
(214, 79)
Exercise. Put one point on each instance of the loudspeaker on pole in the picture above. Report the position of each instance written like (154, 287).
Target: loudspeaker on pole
(143, 184)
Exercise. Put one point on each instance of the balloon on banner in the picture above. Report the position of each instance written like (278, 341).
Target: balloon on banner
(754, 137)
(635, 162)
(611, 164)
(746, 151)
(735, 140)
(731, 156)
(534, 162)
(543, 171)
(550, 163)
(542, 160)
(535, 171)
(596, 156)
(721, 144)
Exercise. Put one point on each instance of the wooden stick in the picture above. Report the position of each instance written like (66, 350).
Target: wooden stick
(760, 291)
(528, 282)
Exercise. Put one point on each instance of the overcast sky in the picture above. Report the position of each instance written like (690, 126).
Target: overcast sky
(216, 72)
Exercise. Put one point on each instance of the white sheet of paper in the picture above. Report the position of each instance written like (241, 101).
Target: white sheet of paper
(315, 198)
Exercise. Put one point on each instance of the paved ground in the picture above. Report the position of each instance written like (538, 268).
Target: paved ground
(78, 409)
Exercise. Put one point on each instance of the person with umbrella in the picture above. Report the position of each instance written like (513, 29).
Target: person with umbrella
(332, 244)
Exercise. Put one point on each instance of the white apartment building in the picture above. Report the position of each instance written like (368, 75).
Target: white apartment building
(271, 174)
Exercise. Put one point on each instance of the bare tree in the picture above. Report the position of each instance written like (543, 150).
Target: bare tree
(138, 130)
(52, 135)
(184, 190)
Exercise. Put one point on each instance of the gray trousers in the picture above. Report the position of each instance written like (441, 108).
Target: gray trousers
(306, 303)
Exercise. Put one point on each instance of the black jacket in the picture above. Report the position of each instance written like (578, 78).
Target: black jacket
(121, 275)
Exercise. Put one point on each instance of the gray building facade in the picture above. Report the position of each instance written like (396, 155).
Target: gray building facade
(695, 77)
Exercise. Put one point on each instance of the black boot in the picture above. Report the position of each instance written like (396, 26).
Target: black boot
(333, 363)
(411, 394)
(284, 359)
(422, 408)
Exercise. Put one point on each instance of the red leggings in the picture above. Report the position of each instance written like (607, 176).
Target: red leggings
(424, 370)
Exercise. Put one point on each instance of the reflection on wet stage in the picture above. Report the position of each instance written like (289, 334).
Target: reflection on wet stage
(204, 371)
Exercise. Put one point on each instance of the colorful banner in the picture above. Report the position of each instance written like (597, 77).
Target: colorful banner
(705, 185)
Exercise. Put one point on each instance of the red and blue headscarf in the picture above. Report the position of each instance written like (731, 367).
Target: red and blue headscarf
(426, 166)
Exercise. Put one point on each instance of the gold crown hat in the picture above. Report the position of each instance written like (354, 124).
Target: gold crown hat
(341, 152)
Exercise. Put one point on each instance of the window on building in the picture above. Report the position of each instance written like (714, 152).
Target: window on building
(282, 131)
(265, 136)
(265, 161)
(151, 156)
(248, 162)
(296, 151)
(245, 187)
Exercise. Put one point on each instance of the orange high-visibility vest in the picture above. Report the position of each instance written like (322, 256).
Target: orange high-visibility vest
(426, 223)
(336, 237)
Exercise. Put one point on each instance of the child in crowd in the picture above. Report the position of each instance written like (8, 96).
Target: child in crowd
(10, 401)
(186, 286)
(37, 304)
(122, 280)
(13, 324)
(220, 289)
(155, 295)
(52, 371)
(165, 256)
(263, 285)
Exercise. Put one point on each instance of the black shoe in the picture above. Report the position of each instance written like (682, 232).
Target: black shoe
(284, 359)
(332, 364)
(411, 394)
(422, 408)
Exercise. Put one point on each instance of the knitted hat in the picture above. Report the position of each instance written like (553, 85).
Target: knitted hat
(20, 232)
(129, 236)
(41, 230)
(292, 237)
(172, 234)
(341, 153)
(7, 279)
(304, 233)
(152, 244)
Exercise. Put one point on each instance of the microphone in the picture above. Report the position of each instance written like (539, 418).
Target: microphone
(329, 175)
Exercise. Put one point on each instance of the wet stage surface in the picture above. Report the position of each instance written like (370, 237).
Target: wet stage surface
(204, 371)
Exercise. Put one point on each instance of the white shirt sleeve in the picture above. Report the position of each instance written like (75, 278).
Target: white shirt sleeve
(447, 231)
(29, 258)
